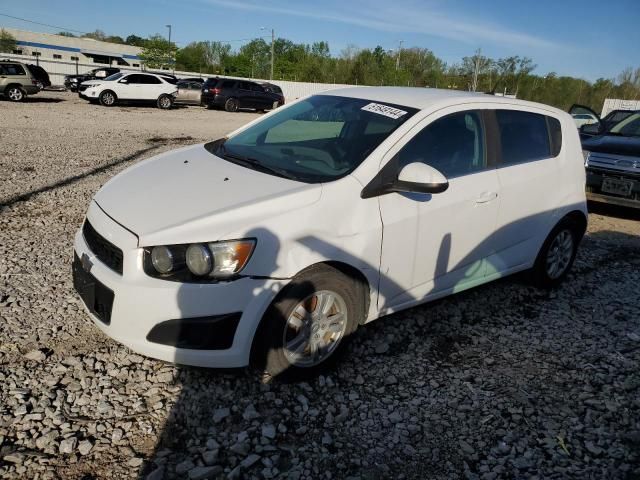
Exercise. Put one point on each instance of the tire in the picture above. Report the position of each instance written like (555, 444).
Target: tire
(295, 321)
(15, 93)
(557, 254)
(165, 102)
(108, 98)
(231, 105)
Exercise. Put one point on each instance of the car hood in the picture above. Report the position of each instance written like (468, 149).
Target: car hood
(191, 195)
(613, 144)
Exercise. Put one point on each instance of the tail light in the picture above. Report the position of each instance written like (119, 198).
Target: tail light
(215, 91)
(34, 82)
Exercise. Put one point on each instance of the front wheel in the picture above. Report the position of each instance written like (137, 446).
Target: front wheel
(307, 327)
(556, 255)
(165, 102)
(15, 93)
(107, 98)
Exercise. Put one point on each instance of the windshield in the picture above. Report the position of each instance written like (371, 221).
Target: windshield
(629, 127)
(315, 140)
(115, 76)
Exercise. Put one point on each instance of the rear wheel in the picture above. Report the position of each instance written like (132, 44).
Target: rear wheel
(15, 93)
(307, 327)
(165, 102)
(232, 105)
(107, 98)
(556, 255)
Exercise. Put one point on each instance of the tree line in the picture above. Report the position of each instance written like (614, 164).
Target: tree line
(414, 66)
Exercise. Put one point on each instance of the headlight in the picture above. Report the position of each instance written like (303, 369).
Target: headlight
(162, 259)
(198, 261)
(585, 155)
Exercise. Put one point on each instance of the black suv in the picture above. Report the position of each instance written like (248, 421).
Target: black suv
(71, 82)
(233, 95)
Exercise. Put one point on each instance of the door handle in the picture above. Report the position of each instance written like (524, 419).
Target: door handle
(486, 197)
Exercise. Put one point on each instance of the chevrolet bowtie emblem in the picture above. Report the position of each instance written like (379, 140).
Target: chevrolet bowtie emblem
(86, 263)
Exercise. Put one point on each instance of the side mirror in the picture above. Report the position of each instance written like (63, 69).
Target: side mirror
(124, 80)
(416, 177)
(591, 128)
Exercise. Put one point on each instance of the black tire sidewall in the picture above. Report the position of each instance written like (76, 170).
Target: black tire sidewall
(539, 272)
(268, 353)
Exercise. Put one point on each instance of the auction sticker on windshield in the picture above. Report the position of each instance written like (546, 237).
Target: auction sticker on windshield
(385, 110)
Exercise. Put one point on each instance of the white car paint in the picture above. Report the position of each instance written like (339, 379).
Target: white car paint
(131, 91)
(411, 250)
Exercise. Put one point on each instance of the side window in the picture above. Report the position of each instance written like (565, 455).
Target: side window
(256, 88)
(133, 79)
(524, 136)
(228, 84)
(453, 144)
(13, 69)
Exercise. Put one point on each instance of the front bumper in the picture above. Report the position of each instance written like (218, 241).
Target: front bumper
(141, 303)
(595, 179)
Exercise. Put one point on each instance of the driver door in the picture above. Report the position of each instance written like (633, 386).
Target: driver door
(435, 244)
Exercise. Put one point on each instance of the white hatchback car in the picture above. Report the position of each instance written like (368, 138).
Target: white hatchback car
(274, 244)
(131, 87)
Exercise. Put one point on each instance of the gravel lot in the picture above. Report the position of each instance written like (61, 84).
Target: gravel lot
(504, 381)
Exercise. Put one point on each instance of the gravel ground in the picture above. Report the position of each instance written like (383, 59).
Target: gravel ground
(504, 381)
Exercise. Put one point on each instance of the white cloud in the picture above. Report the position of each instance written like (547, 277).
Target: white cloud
(409, 17)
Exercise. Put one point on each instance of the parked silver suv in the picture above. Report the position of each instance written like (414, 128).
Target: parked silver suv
(17, 81)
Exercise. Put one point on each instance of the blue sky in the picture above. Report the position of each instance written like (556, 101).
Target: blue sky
(584, 38)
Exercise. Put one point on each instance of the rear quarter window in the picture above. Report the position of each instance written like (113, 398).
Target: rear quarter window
(525, 136)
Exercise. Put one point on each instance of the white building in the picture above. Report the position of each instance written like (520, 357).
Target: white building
(46, 46)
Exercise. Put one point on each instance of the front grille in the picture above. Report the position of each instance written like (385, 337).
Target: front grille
(97, 297)
(613, 162)
(106, 252)
(82, 88)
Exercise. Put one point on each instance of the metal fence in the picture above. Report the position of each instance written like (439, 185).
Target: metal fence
(57, 69)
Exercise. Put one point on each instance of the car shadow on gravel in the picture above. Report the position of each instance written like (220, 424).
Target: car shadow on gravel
(43, 100)
(617, 211)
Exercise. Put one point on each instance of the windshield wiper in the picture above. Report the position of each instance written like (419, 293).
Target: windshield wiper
(254, 164)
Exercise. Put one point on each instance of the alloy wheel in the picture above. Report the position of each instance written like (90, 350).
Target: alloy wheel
(559, 254)
(15, 94)
(315, 328)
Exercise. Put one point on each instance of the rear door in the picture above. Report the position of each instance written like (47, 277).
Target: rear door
(12, 73)
(530, 189)
(245, 95)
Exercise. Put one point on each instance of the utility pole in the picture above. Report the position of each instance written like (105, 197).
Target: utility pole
(273, 39)
(173, 63)
(398, 57)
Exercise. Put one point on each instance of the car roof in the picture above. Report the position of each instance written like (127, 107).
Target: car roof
(423, 98)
